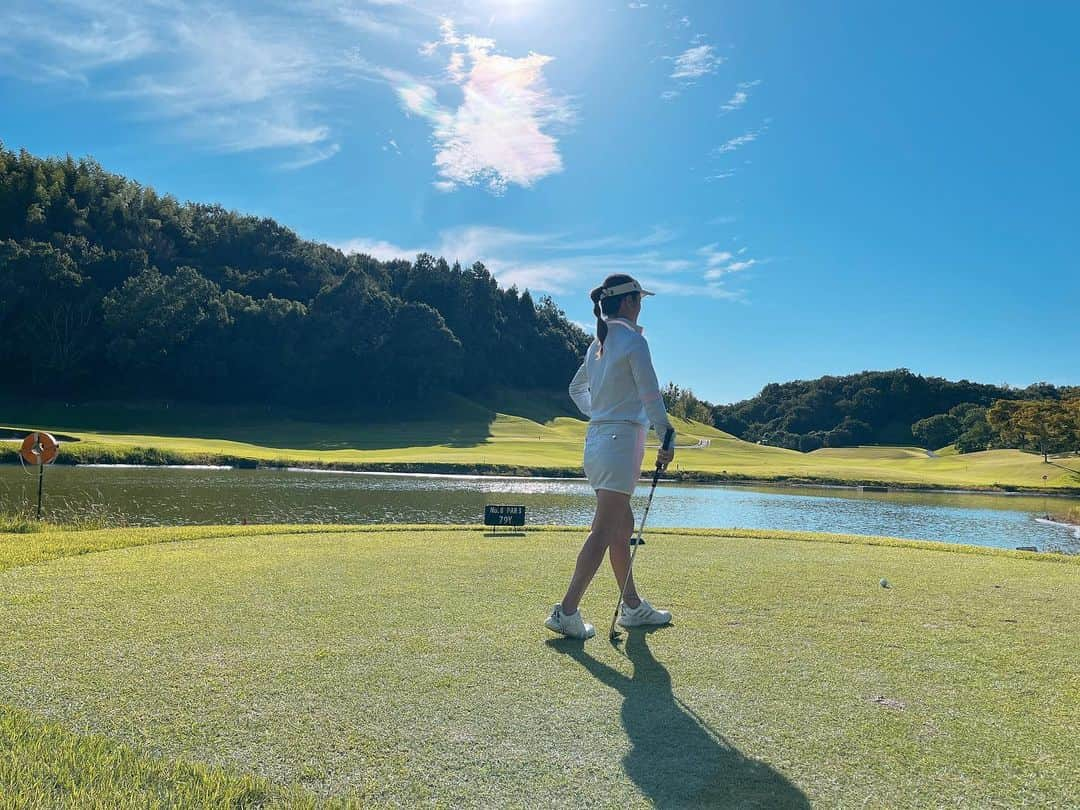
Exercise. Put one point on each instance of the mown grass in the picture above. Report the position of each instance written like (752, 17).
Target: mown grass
(461, 436)
(47, 766)
(409, 667)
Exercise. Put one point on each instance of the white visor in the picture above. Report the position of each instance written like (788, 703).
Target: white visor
(623, 289)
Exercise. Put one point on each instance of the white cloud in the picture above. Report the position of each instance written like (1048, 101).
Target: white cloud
(549, 278)
(740, 96)
(236, 87)
(732, 144)
(568, 264)
(456, 69)
(735, 102)
(669, 95)
(721, 175)
(735, 267)
(378, 248)
(37, 47)
(693, 63)
(101, 43)
(230, 79)
(362, 20)
(708, 290)
(497, 135)
(472, 243)
(728, 267)
(312, 157)
(713, 256)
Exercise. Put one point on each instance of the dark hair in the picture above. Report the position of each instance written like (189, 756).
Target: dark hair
(608, 306)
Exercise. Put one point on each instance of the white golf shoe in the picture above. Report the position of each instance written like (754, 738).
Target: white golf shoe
(571, 625)
(643, 615)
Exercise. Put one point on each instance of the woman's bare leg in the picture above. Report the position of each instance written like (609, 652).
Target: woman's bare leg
(611, 528)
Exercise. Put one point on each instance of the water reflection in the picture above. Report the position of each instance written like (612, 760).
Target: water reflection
(164, 496)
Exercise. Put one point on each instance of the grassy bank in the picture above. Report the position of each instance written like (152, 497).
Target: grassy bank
(1071, 516)
(290, 665)
(467, 437)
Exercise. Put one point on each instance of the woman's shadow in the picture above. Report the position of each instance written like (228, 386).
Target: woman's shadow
(675, 759)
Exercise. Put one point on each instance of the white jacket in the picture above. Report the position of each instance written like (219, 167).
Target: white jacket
(620, 384)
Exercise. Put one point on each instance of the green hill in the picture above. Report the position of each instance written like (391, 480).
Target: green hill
(456, 434)
(873, 407)
(152, 297)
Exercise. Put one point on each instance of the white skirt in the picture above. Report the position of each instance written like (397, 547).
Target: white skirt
(613, 455)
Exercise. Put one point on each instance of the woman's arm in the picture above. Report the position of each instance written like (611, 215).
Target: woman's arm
(647, 386)
(579, 391)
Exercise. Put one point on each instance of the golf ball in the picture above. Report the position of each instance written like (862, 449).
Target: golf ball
(884, 583)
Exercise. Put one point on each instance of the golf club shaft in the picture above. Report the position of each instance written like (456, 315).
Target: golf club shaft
(668, 436)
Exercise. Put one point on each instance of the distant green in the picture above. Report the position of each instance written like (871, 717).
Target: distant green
(459, 434)
(273, 666)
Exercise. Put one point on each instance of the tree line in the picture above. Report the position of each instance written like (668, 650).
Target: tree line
(108, 288)
(900, 407)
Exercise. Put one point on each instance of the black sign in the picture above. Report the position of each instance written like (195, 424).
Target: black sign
(504, 515)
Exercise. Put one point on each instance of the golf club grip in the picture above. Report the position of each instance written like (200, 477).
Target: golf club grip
(669, 434)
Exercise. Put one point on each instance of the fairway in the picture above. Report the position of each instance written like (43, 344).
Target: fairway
(458, 435)
(410, 667)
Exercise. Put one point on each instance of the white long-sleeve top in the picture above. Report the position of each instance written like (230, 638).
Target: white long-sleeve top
(619, 385)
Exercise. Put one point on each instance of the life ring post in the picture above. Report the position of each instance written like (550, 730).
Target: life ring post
(39, 448)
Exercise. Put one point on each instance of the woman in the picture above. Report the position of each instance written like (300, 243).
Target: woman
(616, 388)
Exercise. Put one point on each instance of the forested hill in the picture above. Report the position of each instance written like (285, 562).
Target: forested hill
(874, 407)
(109, 288)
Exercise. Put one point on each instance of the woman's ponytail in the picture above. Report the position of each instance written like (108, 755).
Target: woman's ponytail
(601, 326)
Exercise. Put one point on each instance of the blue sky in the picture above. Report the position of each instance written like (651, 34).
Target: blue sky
(811, 188)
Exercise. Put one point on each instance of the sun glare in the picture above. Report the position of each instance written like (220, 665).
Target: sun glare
(514, 9)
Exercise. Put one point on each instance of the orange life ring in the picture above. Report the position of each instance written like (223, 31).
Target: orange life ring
(39, 448)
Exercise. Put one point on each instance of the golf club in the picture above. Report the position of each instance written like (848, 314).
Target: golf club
(668, 436)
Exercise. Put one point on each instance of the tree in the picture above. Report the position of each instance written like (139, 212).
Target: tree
(427, 354)
(671, 393)
(1072, 413)
(1045, 426)
(681, 402)
(975, 432)
(936, 431)
(49, 315)
(887, 403)
(1001, 418)
(839, 437)
(346, 341)
(164, 327)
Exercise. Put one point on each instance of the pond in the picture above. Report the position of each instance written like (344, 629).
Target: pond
(157, 495)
